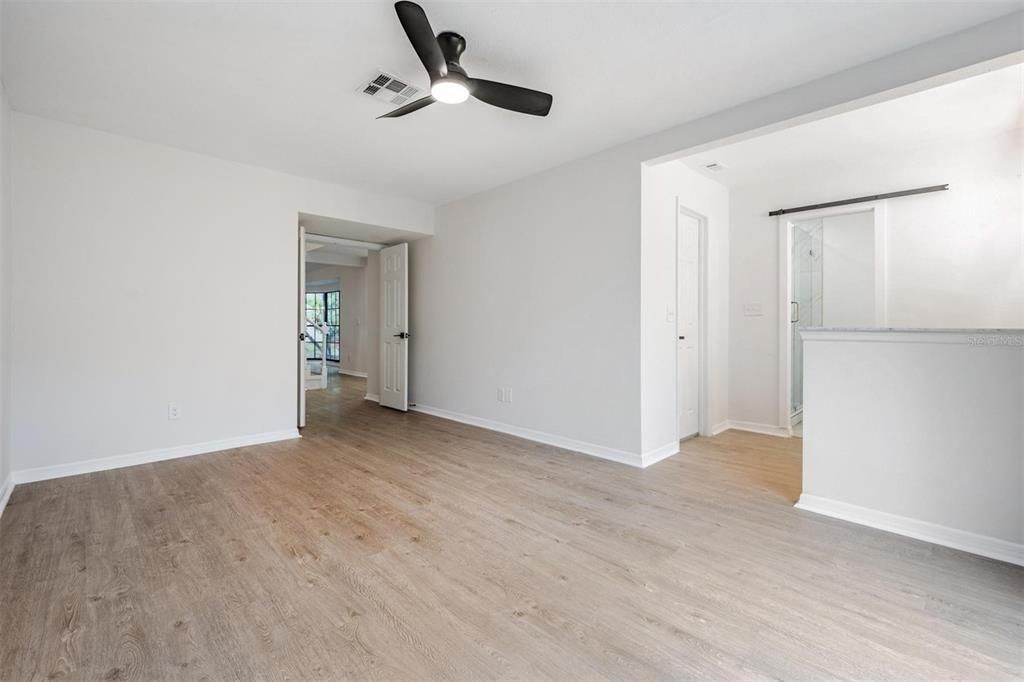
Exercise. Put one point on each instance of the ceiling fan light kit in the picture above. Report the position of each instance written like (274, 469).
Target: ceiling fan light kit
(449, 82)
(449, 91)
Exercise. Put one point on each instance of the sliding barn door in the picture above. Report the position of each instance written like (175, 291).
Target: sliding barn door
(394, 333)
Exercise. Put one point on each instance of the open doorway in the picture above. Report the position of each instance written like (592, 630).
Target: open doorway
(334, 301)
(832, 265)
(352, 307)
(323, 329)
(887, 224)
(909, 186)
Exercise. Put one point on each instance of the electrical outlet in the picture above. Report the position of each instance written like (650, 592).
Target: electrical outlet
(508, 395)
(504, 395)
(172, 411)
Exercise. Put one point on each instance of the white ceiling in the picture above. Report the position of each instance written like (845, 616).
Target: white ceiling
(274, 84)
(333, 254)
(987, 104)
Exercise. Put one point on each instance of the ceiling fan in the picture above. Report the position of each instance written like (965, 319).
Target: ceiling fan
(448, 80)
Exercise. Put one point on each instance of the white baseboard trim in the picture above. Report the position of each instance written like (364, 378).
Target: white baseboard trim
(754, 427)
(720, 428)
(657, 454)
(352, 373)
(148, 456)
(372, 396)
(5, 492)
(620, 456)
(983, 545)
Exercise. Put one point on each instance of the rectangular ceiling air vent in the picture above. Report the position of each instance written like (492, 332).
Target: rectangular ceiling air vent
(389, 89)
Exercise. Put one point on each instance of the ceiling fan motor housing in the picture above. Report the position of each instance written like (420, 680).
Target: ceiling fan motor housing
(452, 46)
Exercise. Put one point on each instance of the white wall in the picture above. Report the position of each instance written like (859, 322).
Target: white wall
(355, 353)
(536, 285)
(954, 259)
(165, 276)
(665, 186)
(918, 433)
(351, 281)
(958, 260)
(5, 207)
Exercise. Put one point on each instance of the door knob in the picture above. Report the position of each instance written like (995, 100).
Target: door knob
(401, 335)
(681, 338)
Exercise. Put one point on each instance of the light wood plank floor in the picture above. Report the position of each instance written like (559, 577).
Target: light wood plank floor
(396, 546)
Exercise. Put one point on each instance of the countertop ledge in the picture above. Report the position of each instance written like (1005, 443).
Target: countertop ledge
(992, 338)
(911, 330)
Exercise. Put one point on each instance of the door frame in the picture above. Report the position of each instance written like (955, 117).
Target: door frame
(301, 396)
(303, 238)
(401, 402)
(785, 289)
(704, 427)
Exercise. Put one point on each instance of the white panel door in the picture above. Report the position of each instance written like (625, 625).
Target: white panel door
(687, 324)
(394, 323)
(302, 326)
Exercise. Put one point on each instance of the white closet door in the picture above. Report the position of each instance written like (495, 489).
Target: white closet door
(687, 324)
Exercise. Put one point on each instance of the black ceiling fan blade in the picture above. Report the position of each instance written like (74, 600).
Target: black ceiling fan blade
(415, 105)
(511, 97)
(417, 28)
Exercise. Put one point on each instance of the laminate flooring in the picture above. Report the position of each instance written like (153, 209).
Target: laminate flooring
(392, 546)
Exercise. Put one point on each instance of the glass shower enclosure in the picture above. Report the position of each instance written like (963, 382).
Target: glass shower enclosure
(805, 308)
